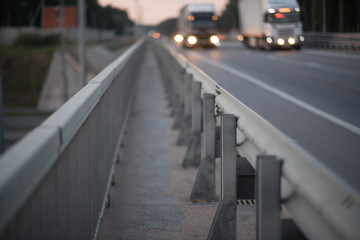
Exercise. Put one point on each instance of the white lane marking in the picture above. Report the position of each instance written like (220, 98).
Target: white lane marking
(332, 54)
(313, 64)
(285, 96)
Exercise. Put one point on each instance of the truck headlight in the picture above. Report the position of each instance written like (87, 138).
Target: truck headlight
(192, 40)
(269, 40)
(302, 38)
(291, 41)
(214, 40)
(281, 41)
(178, 38)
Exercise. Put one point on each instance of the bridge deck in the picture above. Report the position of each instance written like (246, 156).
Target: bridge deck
(150, 198)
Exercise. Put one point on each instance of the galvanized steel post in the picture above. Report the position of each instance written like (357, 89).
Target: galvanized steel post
(224, 223)
(2, 141)
(268, 221)
(185, 129)
(178, 106)
(193, 152)
(204, 186)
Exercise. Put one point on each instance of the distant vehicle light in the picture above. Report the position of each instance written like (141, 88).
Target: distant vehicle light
(271, 10)
(156, 35)
(279, 15)
(240, 38)
(192, 40)
(214, 40)
(191, 18)
(269, 40)
(179, 38)
(297, 9)
(291, 41)
(281, 41)
(302, 38)
(284, 10)
(214, 18)
(221, 36)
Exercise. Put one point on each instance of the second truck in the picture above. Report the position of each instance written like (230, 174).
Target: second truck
(269, 24)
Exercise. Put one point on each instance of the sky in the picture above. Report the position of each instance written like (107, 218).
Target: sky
(152, 12)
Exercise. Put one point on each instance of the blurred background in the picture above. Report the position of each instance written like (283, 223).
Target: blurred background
(42, 41)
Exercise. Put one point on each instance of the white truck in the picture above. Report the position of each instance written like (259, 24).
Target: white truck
(269, 24)
(197, 26)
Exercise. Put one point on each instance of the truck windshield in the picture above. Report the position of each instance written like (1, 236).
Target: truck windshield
(203, 20)
(282, 17)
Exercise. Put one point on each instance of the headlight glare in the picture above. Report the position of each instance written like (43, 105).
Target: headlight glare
(281, 41)
(214, 39)
(178, 38)
(291, 41)
(192, 40)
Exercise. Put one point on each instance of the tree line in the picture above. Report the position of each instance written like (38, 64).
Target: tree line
(18, 13)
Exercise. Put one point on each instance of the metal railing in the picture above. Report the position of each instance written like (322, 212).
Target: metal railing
(322, 205)
(349, 41)
(54, 182)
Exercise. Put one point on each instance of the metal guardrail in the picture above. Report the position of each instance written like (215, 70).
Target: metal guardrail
(322, 205)
(54, 182)
(349, 41)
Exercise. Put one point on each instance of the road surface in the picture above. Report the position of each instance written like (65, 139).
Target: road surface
(313, 96)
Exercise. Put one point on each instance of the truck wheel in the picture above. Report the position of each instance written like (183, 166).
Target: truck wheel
(246, 42)
(268, 47)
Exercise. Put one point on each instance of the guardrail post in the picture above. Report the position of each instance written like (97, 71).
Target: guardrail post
(268, 221)
(178, 97)
(2, 141)
(204, 186)
(224, 223)
(193, 151)
(185, 129)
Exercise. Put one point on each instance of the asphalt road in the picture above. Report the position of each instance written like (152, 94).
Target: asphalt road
(313, 96)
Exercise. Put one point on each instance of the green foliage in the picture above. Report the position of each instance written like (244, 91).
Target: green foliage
(108, 18)
(28, 12)
(23, 72)
(168, 27)
(229, 18)
(312, 11)
(37, 40)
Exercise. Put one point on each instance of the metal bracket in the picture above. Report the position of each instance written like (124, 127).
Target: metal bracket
(245, 179)
(268, 219)
(204, 186)
(224, 223)
(193, 152)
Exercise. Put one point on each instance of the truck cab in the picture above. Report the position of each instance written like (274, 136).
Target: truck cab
(283, 26)
(271, 24)
(197, 25)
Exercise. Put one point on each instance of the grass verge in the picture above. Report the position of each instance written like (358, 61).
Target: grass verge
(23, 70)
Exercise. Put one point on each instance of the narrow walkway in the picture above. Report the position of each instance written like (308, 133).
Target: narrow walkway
(150, 198)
